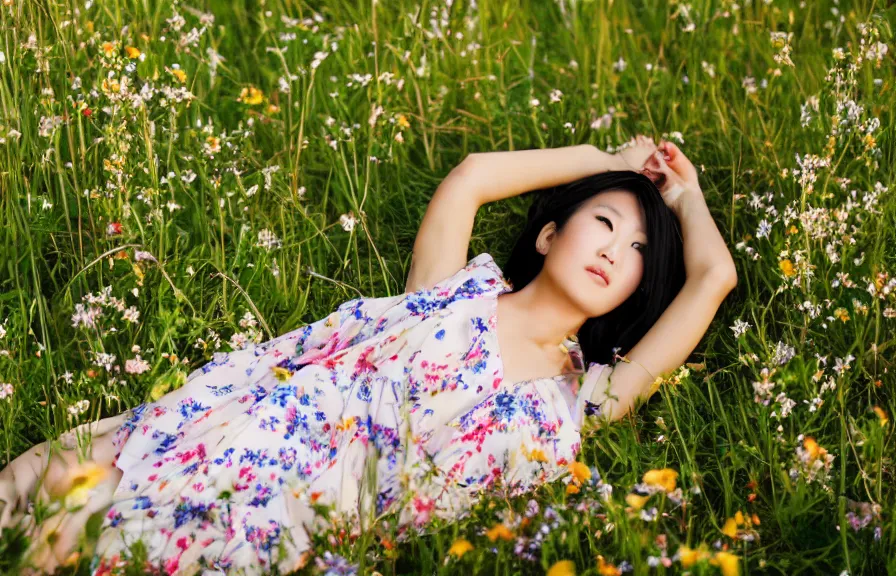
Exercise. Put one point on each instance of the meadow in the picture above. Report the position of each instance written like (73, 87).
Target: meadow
(179, 179)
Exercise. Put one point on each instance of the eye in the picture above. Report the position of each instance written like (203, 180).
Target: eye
(606, 220)
(642, 248)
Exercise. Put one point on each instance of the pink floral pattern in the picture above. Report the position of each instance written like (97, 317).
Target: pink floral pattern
(394, 404)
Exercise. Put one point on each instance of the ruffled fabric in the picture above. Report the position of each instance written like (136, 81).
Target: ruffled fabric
(394, 404)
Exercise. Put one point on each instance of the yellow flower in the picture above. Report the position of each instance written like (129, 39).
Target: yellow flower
(811, 446)
(460, 547)
(579, 471)
(786, 267)
(282, 374)
(535, 455)
(792, 230)
(730, 528)
(108, 48)
(251, 96)
(728, 562)
(403, 122)
(563, 568)
(664, 478)
(346, 423)
(132, 52)
(882, 415)
(572, 489)
(606, 569)
(690, 556)
(80, 481)
(636, 501)
(180, 75)
(499, 531)
(841, 314)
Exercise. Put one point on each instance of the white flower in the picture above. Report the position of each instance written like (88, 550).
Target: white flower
(348, 221)
(5, 391)
(556, 95)
(268, 240)
(740, 328)
(140, 255)
(136, 365)
(131, 314)
(619, 66)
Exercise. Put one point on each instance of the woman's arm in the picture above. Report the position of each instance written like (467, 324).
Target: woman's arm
(440, 248)
(711, 275)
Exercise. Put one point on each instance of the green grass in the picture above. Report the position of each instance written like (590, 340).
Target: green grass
(61, 189)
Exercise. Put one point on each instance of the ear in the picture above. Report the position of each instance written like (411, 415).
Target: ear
(546, 238)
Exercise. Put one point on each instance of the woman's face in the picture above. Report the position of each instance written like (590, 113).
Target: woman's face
(598, 258)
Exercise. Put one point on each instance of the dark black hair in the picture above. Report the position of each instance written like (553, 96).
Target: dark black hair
(664, 272)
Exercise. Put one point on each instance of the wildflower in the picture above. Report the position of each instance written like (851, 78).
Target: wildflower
(636, 501)
(108, 49)
(460, 547)
(786, 267)
(499, 531)
(136, 365)
(727, 562)
(664, 478)
(403, 121)
(132, 52)
(348, 221)
(604, 568)
(5, 391)
(563, 568)
(877, 410)
(80, 481)
(180, 75)
(740, 328)
(580, 472)
(268, 240)
(690, 556)
(251, 96)
(556, 95)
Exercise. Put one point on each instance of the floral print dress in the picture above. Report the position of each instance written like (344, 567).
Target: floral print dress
(394, 404)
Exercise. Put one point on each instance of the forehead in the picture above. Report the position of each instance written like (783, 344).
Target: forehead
(622, 201)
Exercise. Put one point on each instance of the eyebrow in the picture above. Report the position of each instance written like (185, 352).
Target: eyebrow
(617, 212)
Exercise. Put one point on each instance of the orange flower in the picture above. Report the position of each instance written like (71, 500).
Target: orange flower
(579, 471)
(108, 48)
(882, 415)
(572, 489)
(499, 531)
(604, 568)
(403, 122)
(811, 446)
(132, 52)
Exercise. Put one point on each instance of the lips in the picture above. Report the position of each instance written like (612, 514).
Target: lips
(598, 274)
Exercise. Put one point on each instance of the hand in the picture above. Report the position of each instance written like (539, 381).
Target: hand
(673, 174)
(635, 152)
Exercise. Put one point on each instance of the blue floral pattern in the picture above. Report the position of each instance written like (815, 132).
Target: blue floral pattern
(226, 473)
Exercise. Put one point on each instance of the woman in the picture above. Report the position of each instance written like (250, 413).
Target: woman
(473, 379)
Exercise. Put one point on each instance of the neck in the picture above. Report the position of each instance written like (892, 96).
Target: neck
(549, 316)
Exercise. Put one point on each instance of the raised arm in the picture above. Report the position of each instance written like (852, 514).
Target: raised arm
(440, 248)
(711, 275)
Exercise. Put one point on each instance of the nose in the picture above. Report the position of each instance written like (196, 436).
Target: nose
(609, 254)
